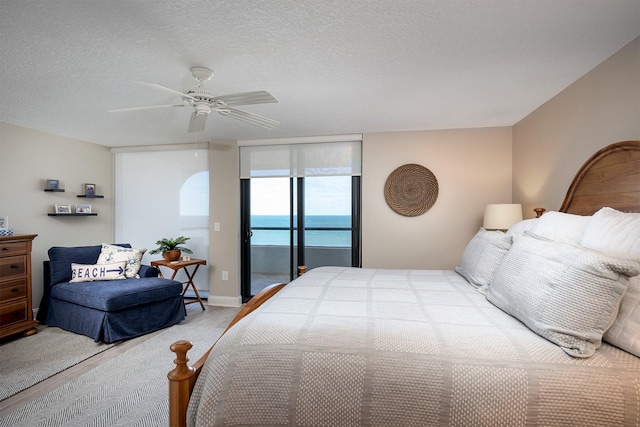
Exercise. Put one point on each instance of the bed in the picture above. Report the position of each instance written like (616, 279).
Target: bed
(536, 326)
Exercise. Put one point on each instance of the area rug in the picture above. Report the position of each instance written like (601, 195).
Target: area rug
(128, 390)
(28, 360)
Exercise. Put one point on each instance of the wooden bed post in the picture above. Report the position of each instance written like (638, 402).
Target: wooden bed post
(183, 377)
(181, 381)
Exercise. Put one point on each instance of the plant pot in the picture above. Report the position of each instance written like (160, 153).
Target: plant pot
(172, 255)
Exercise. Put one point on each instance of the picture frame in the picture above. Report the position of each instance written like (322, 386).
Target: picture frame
(83, 208)
(53, 184)
(63, 209)
(4, 222)
(89, 189)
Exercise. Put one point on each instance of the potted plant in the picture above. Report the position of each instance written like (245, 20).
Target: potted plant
(171, 248)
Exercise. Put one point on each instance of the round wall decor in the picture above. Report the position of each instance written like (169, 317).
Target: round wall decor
(411, 190)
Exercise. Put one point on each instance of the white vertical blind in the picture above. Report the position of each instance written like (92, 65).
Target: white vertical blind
(164, 194)
(339, 158)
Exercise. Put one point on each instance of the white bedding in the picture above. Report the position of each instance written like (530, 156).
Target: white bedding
(350, 347)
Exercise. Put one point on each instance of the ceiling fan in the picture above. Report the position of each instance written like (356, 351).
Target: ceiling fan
(204, 102)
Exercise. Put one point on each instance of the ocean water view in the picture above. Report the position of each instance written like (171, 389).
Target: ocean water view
(314, 237)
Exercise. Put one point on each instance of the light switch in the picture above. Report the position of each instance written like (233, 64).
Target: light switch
(216, 226)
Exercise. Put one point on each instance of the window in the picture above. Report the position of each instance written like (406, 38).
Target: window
(164, 194)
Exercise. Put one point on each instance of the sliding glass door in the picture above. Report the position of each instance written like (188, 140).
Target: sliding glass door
(288, 222)
(269, 238)
(300, 205)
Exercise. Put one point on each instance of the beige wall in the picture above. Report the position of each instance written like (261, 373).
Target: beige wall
(27, 159)
(473, 168)
(551, 144)
(224, 246)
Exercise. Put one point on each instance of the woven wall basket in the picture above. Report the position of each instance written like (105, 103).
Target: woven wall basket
(411, 190)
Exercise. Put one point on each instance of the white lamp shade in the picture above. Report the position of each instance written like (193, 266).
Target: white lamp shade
(501, 216)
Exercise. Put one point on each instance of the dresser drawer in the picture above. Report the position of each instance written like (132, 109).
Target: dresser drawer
(13, 289)
(13, 313)
(13, 267)
(14, 248)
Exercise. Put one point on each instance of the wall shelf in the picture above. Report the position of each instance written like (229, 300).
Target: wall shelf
(96, 196)
(73, 214)
(54, 190)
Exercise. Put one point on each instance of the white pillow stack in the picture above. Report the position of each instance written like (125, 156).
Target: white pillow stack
(520, 227)
(561, 227)
(617, 233)
(565, 293)
(572, 279)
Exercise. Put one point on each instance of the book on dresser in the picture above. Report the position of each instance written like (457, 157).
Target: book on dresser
(16, 313)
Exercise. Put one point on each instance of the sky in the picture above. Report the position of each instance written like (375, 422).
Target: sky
(330, 195)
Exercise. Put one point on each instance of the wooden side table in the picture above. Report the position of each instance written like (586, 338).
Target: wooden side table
(176, 266)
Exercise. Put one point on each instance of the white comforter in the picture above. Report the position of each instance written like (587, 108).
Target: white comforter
(350, 347)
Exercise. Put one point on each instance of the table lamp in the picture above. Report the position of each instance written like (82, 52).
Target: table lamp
(501, 216)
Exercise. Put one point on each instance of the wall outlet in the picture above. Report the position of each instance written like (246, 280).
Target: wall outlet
(225, 275)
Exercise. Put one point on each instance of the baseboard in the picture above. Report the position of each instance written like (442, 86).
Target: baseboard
(224, 301)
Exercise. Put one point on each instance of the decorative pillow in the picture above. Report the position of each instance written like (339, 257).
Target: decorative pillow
(567, 294)
(95, 272)
(132, 257)
(561, 227)
(482, 256)
(618, 234)
(521, 226)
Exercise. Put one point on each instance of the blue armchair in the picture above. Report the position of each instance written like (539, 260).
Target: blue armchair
(111, 310)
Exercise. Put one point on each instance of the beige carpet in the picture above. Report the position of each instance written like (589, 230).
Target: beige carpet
(26, 361)
(129, 390)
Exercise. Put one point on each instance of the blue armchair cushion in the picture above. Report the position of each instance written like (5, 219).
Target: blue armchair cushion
(62, 257)
(113, 295)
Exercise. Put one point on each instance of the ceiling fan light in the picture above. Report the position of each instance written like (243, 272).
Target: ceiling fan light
(201, 73)
(202, 108)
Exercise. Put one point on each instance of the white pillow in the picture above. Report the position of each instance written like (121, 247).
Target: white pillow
(561, 227)
(614, 232)
(132, 257)
(96, 272)
(482, 256)
(567, 294)
(617, 233)
(521, 226)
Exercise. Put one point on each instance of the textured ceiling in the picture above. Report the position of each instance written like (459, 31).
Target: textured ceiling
(342, 66)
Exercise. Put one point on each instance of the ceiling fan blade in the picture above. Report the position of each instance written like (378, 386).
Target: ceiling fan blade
(248, 117)
(166, 89)
(149, 107)
(197, 122)
(246, 98)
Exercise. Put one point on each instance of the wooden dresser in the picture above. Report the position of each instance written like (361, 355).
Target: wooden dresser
(16, 314)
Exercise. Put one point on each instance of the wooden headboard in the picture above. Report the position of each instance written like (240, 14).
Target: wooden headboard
(611, 177)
